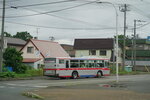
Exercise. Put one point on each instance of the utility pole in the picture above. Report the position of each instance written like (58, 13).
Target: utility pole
(132, 50)
(124, 9)
(2, 37)
(134, 47)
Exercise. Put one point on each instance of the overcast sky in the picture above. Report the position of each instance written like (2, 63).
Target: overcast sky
(68, 20)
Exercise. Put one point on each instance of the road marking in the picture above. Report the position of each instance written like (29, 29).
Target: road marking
(10, 84)
(2, 86)
(12, 87)
(40, 86)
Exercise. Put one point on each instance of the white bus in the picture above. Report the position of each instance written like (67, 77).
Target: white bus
(76, 67)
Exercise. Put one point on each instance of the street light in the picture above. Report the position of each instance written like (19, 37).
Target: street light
(117, 76)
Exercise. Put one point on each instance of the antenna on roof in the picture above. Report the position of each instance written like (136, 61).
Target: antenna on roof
(37, 32)
(52, 38)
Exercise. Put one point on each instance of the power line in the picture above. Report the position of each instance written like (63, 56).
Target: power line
(67, 8)
(139, 11)
(39, 4)
(65, 18)
(10, 1)
(143, 25)
(64, 28)
(140, 26)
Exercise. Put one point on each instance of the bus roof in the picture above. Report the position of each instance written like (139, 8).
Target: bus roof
(82, 58)
(88, 58)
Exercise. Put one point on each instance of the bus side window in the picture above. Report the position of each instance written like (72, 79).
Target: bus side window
(100, 65)
(82, 65)
(74, 64)
(67, 64)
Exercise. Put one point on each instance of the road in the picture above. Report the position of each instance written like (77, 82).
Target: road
(11, 90)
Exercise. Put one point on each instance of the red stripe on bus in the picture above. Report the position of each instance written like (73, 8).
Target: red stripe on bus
(65, 76)
(77, 69)
(106, 74)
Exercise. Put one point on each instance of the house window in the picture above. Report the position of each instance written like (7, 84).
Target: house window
(92, 52)
(30, 49)
(103, 52)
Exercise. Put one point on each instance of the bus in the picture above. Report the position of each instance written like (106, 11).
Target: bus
(76, 67)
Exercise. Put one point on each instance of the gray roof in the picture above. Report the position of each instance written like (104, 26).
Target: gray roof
(95, 43)
(15, 41)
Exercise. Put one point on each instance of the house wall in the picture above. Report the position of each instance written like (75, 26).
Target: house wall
(34, 64)
(35, 53)
(69, 49)
(81, 53)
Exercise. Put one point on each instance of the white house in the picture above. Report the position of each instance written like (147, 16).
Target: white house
(35, 51)
(101, 47)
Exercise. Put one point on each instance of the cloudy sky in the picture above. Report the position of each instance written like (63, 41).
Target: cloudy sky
(66, 20)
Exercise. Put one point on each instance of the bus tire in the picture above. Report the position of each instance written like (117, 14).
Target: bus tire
(99, 74)
(74, 75)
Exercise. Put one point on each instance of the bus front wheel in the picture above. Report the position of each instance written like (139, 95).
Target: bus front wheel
(99, 74)
(74, 75)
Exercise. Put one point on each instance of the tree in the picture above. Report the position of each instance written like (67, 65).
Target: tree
(23, 35)
(120, 40)
(13, 58)
(6, 34)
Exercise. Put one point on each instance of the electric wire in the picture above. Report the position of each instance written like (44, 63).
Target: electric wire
(39, 4)
(65, 18)
(54, 11)
(64, 28)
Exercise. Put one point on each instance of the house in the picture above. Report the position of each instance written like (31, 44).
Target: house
(35, 51)
(13, 43)
(142, 54)
(69, 49)
(101, 47)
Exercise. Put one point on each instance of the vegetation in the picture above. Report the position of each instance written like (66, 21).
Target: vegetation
(13, 58)
(28, 73)
(7, 74)
(7, 34)
(120, 40)
(32, 95)
(123, 72)
(23, 35)
(139, 53)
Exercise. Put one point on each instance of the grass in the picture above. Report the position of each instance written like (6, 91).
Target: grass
(32, 95)
(123, 72)
(28, 73)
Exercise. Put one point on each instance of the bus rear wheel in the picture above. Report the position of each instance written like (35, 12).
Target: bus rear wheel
(99, 74)
(74, 75)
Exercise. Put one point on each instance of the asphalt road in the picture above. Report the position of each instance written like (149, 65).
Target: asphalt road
(11, 90)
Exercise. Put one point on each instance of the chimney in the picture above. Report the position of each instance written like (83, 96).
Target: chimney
(36, 38)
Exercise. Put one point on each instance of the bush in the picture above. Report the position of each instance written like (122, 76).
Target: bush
(7, 74)
(35, 72)
(5, 69)
(13, 58)
(21, 69)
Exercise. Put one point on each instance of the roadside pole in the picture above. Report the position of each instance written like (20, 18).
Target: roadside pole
(2, 37)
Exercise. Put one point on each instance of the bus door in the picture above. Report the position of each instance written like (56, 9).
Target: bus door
(67, 64)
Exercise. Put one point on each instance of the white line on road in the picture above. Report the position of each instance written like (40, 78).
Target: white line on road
(2, 86)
